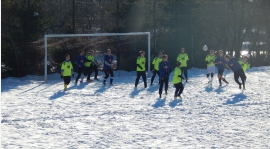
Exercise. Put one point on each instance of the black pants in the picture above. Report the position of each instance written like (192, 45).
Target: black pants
(178, 89)
(162, 81)
(107, 73)
(95, 68)
(66, 80)
(87, 72)
(240, 74)
(154, 75)
(80, 70)
(184, 71)
(139, 75)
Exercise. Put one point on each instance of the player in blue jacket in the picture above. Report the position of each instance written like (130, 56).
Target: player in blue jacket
(237, 69)
(165, 68)
(107, 67)
(220, 64)
(80, 59)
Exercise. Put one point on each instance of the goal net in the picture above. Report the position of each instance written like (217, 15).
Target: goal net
(124, 46)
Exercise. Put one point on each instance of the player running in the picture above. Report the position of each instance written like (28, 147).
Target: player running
(210, 58)
(238, 71)
(220, 63)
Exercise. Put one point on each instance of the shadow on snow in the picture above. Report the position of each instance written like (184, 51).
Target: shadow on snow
(237, 98)
(159, 103)
(209, 88)
(57, 95)
(135, 92)
(153, 88)
(62, 92)
(219, 89)
(175, 102)
(102, 89)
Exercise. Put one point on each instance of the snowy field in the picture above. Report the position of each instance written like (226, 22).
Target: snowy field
(38, 115)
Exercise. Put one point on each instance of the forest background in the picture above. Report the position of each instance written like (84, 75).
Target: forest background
(233, 26)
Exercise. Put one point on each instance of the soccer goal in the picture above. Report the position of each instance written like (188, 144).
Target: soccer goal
(66, 36)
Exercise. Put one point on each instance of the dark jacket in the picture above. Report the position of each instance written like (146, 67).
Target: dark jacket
(223, 62)
(108, 60)
(80, 60)
(234, 64)
(165, 73)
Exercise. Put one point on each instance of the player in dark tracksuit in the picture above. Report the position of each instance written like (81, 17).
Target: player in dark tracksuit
(95, 67)
(80, 59)
(108, 63)
(234, 65)
(220, 62)
(165, 68)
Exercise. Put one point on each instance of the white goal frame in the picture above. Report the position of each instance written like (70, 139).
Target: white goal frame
(88, 35)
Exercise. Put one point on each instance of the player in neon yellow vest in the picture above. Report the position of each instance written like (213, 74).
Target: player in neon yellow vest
(183, 58)
(66, 71)
(244, 63)
(210, 59)
(88, 69)
(155, 64)
(177, 80)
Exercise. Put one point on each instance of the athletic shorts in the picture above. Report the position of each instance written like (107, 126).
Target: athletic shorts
(211, 69)
(220, 72)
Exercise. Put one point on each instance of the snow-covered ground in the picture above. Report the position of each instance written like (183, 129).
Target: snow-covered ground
(41, 115)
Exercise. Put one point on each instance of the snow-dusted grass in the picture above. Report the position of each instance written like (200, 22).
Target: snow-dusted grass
(42, 115)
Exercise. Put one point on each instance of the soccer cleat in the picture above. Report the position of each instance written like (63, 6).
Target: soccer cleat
(240, 86)
(159, 95)
(65, 87)
(96, 79)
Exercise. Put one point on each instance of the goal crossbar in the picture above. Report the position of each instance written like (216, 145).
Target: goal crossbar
(88, 35)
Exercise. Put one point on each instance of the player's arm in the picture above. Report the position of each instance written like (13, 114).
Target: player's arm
(138, 63)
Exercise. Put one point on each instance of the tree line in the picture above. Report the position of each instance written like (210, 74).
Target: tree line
(230, 25)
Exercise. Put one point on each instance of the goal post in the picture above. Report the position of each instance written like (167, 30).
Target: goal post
(89, 35)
